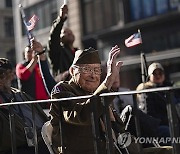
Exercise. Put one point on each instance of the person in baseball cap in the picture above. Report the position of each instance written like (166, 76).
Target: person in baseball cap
(154, 104)
(153, 67)
(156, 73)
(6, 74)
(5, 68)
(5, 64)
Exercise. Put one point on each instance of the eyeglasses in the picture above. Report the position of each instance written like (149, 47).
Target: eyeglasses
(88, 70)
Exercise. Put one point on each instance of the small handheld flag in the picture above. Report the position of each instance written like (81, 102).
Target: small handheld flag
(133, 40)
(32, 22)
(28, 25)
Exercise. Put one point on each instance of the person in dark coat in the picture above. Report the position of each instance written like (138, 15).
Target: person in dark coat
(77, 127)
(60, 46)
(155, 102)
(22, 115)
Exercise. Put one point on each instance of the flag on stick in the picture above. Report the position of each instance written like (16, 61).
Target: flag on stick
(133, 40)
(32, 22)
(29, 25)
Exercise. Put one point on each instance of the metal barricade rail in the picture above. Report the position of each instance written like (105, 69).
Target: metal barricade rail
(174, 127)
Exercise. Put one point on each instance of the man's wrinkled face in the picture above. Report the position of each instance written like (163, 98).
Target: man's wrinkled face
(87, 76)
(157, 76)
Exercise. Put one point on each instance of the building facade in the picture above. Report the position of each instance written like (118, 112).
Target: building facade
(47, 11)
(104, 23)
(7, 45)
(110, 22)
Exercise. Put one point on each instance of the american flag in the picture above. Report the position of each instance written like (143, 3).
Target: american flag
(32, 22)
(133, 40)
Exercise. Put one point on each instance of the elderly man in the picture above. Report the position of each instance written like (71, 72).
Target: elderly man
(77, 126)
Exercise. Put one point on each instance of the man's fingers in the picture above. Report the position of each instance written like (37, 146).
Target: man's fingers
(113, 49)
(114, 55)
(119, 64)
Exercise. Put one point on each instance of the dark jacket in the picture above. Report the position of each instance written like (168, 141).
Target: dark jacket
(61, 57)
(156, 101)
(20, 118)
(77, 127)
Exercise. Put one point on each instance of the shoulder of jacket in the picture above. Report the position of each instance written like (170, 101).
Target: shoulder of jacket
(62, 83)
(60, 86)
(146, 85)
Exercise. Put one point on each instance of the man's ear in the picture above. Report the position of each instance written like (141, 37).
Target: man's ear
(71, 71)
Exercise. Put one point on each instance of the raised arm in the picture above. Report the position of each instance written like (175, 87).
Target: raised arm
(54, 45)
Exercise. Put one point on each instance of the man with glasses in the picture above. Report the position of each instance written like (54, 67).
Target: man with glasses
(77, 127)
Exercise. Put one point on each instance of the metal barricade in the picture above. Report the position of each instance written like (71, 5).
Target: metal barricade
(172, 117)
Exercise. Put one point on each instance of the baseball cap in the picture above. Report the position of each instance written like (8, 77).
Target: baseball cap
(87, 56)
(153, 67)
(5, 64)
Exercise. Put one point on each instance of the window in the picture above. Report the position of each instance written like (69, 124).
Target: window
(45, 11)
(8, 3)
(8, 25)
(99, 14)
(140, 9)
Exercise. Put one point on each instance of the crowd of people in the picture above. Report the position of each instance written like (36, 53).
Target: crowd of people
(76, 72)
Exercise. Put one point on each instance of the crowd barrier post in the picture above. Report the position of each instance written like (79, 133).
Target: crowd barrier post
(34, 129)
(173, 122)
(12, 130)
(137, 123)
(62, 150)
(107, 123)
(95, 125)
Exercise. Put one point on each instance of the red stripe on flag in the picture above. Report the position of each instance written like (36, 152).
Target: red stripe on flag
(133, 40)
(32, 22)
